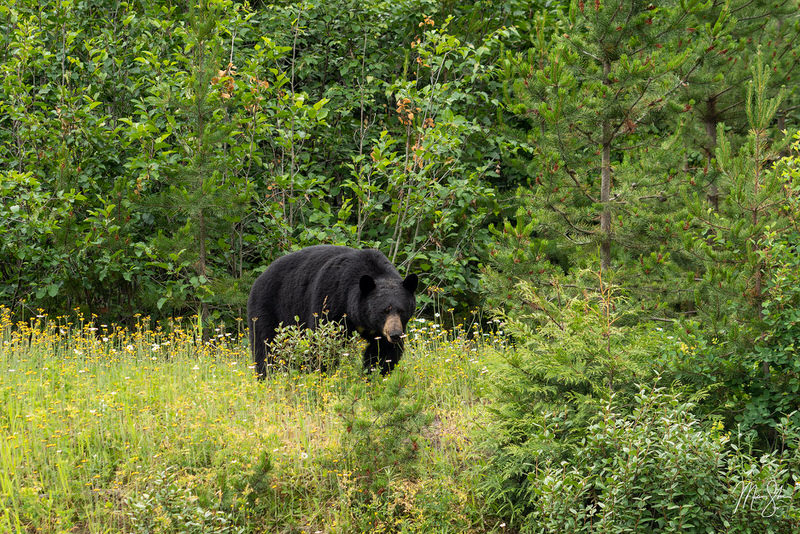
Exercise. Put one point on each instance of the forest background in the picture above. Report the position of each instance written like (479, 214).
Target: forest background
(616, 181)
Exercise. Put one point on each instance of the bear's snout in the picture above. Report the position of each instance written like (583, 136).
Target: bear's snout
(393, 328)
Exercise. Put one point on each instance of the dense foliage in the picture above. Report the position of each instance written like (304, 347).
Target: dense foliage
(614, 183)
(656, 469)
(156, 157)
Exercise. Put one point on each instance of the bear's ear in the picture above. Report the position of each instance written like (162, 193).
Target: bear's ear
(410, 283)
(367, 284)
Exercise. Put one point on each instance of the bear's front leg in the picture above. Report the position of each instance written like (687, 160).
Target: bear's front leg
(383, 355)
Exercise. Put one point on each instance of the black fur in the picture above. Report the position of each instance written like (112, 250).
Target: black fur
(360, 287)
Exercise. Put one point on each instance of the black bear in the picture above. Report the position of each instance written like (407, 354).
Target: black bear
(359, 287)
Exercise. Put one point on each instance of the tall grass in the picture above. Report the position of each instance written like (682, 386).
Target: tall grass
(105, 429)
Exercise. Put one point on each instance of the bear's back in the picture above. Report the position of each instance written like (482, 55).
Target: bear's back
(334, 260)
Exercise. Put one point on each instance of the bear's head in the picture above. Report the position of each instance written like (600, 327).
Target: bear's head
(387, 305)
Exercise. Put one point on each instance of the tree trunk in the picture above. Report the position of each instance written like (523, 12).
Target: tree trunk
(710, 122)
(605, 187)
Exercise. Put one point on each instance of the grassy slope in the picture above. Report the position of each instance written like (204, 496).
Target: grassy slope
(104, 430)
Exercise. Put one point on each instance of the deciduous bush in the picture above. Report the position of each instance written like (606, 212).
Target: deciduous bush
(655, 467)
(320, 349)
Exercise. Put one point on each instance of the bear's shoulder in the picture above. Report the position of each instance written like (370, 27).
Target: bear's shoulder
(375, 262)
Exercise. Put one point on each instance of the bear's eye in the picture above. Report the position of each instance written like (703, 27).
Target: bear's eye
(388, 309)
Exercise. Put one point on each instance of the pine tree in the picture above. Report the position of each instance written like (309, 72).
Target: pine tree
(714, 96)
(202, 197)
(730, 240)
(594, 95)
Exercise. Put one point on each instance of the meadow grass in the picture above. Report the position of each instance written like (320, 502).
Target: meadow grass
(105, 429)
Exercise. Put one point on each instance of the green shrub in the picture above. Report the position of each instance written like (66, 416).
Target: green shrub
(168, 506)
(569, 356)
(321, 349)
(659, 469)
(382, 434)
